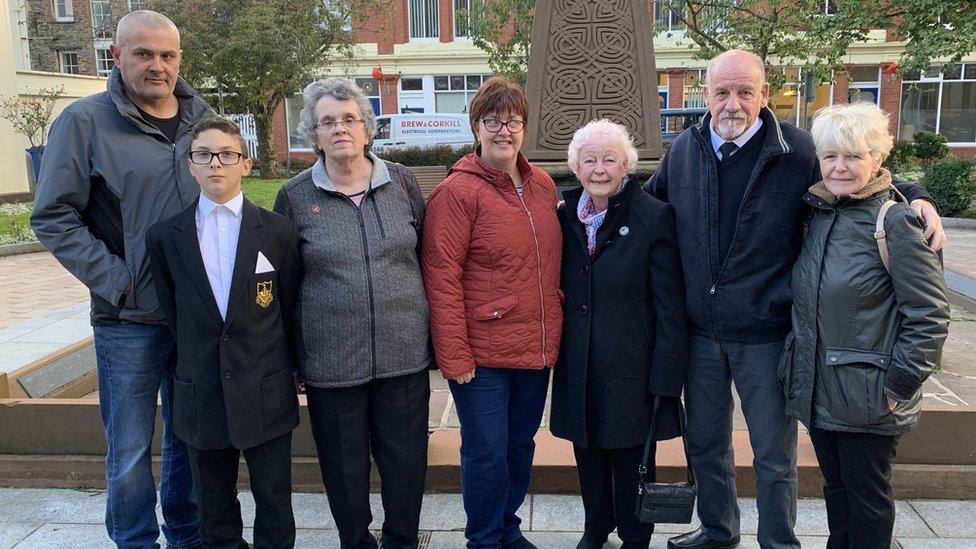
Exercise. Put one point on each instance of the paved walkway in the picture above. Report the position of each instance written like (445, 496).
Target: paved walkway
(48, 519)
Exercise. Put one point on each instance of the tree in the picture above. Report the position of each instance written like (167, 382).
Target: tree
(818, 33)
(248, 55)
(503, 30)
(814, 33)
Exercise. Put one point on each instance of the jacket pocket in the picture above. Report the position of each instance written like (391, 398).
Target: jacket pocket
(278, 397)
(184, 408)
(495, 308)
(855, 392)
(784, 371)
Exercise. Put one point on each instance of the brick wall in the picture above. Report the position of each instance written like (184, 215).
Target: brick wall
(891, 97)
(841, 88)
(676, 88)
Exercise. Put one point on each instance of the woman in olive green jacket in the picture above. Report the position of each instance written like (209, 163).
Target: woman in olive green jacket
(865, 335)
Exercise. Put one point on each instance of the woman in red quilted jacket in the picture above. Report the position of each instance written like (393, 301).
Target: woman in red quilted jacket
(491, 255)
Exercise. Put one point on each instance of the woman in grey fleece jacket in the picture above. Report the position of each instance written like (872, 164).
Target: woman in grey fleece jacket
(363, 316)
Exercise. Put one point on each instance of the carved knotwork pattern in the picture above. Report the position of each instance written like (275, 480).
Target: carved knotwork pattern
(591, 71)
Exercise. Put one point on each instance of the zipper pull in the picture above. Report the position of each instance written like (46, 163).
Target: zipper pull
(712, 290)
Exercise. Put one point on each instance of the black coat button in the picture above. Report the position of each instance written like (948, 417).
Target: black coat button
(228, 375)
(225, 338)
(584, 310)
(585, 269)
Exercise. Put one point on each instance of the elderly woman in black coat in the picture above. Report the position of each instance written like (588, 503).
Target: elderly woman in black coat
(624, 339)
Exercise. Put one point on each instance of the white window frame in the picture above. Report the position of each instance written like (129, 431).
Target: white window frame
(62, 64)
(100, 31)
(297, 96)
(425, 16)
(68, 14)
(865, 84)
(669, 25)
(141, 5)
(102, 44)
(457, 24)
(940, 79)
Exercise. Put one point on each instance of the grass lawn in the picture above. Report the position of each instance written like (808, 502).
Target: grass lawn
(262, 192)
(15, 223)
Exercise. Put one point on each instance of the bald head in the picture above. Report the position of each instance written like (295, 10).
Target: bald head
(742, 60)
(735, 92)
(134, 22)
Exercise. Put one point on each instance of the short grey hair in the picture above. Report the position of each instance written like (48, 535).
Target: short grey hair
(606, 132)
(139, 19)
(340, 89)
(746, 55)
(853, 128)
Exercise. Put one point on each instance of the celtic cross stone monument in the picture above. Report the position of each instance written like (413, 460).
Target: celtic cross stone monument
(591, 59)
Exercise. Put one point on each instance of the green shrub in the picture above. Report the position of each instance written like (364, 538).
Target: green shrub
(437, 155)
(952, 183)
(930, 146)
(902, 157)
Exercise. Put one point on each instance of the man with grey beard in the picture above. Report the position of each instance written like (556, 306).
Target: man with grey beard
(736, 183)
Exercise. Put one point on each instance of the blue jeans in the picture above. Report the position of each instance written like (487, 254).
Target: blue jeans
(135, 364)
(713, 366)
(500, 411)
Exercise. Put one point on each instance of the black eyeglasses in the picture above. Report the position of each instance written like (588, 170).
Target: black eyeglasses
(226, 158)
(494, 125)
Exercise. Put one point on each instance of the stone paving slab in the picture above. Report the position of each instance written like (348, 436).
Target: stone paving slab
(43, 518)
(35, 283)
(960, 253)
(949, 519)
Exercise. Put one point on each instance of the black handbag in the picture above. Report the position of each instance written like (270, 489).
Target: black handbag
(659, 502)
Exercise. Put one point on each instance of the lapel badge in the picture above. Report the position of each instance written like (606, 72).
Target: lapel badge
(624, 231)
(264, 296)
(316, 209)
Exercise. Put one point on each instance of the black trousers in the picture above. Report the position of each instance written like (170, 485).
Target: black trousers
(385, 417)
(608, 485)
(215, 482)
(857, 487)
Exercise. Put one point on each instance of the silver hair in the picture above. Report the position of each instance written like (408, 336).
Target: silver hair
(607, 132)
(340, 89)
(751, 57)
(853, 128)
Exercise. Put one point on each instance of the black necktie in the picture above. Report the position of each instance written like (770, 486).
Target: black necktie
(728, 149)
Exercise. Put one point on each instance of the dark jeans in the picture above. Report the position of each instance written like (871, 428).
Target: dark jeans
(135, 367)
(608, 484)
(500, 411)
(857, 487)
(387, 417)
(215, 481)
(713, 366)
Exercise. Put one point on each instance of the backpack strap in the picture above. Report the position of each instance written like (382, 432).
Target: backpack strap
(879, 233)
(408, 183)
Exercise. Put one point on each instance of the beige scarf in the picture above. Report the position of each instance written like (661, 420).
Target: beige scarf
(879, 183)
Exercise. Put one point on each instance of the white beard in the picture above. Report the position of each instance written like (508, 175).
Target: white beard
(730, 129)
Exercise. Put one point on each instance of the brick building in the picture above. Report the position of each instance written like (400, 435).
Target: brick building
(419, 60)
(72, 36)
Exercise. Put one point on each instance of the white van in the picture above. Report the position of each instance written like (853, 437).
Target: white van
(397, 131)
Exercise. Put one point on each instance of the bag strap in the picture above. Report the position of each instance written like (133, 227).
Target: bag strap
(880, 236)
(414, 197)
(682, 424)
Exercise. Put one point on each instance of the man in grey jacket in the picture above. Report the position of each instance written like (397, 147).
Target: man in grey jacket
(115, 164)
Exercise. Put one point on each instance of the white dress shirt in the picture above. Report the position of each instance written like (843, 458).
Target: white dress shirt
(218, 228)
(740, 141)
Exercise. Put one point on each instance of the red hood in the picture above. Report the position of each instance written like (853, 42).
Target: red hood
(471, 163)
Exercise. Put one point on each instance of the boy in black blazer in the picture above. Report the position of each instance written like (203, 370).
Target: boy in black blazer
(227, 275)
